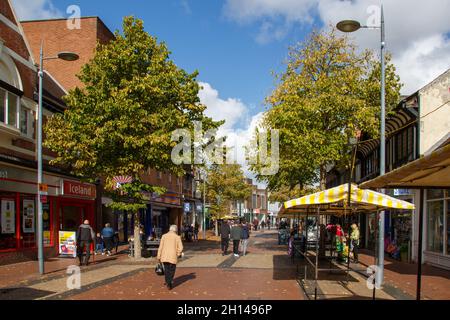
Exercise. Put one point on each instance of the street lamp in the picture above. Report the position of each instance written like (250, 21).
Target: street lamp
(351, 26)
(67, 56)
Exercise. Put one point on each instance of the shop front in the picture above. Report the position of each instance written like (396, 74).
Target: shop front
(67, 203)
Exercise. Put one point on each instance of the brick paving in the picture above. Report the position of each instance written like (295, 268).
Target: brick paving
(266, 272)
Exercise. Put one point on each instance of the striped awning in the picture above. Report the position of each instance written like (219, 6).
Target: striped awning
(359, 198)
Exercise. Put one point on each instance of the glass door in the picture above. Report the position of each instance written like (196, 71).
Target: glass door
(72, 217)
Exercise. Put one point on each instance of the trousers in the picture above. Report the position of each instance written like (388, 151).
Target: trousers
(224, 245)
(169, 271)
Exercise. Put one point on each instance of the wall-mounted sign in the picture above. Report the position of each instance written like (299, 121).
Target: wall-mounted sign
(8, 217)
(28, 216)
(77, 189)
(187, 207)
(402, 192)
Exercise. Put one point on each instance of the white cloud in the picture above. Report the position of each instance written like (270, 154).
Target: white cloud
(36, 9)
(415, 29)
(232, 110)
(239, 126)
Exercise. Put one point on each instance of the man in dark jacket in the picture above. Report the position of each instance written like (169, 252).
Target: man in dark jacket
(224, 236)
(85, 236)
(236, 235)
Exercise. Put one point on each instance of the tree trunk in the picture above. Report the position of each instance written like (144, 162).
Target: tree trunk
(323, 180)
(137, 236)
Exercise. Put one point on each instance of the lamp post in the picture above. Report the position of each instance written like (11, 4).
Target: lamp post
(351, 26)
(67, 56)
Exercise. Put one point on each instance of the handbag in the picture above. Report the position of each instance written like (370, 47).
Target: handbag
(159, 269)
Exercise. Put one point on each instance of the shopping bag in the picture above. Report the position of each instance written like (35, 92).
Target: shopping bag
(159, 269)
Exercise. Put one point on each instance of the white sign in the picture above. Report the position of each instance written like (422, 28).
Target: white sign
(28, 216)
(8, 216)
(67, 243)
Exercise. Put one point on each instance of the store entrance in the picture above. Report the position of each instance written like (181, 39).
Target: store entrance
(73, 214)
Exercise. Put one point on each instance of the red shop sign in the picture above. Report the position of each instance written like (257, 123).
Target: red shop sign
(72, 188)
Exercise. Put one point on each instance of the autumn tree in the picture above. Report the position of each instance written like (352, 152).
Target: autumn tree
(120, 123)
(327, 93)
(225, 184)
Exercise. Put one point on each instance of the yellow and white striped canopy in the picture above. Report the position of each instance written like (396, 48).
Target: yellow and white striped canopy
(358, 197)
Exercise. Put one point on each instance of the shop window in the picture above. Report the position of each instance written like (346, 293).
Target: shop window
(435, 194)
(8, 223)
(28, 221)
(435, 226)
(448, 227)
(9, 108)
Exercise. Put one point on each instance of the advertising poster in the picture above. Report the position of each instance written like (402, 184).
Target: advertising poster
(8, 217)
(47, 240)
(67, 245)
(28, 216)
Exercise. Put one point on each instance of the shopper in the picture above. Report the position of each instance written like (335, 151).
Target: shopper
(99, 244)
(354, 241)
(196, 232)
(224, 236)
(245, 237)
(236, 235)
(170, 248)
(85, 237)
(108, 238)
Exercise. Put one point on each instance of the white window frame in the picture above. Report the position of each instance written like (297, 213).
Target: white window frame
(445, 199)
(6, 111)
(30, 120)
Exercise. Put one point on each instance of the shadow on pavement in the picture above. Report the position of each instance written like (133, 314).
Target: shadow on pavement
(184, 278)
(23, 293)
(283, 268)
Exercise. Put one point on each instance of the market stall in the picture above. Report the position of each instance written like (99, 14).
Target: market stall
(346, 199)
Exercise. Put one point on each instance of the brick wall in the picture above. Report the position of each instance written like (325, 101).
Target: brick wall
(57, 37)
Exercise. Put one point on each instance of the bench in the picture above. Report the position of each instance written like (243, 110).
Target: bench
(152, 245)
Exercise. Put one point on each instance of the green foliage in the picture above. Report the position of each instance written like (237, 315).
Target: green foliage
(225, 183)
(327, 93)
(121, 121)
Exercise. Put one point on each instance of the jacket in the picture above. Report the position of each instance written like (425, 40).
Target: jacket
(225, 231)
(236, 233)
(107, 232)
(85, 233)
(245, 232)
(170, 248)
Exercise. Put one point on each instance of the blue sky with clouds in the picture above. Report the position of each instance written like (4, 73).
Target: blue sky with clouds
(236, 44)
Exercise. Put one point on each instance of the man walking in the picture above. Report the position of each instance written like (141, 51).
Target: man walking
(236, 235)
(170, 248)
(245, 237)
(85, 236)
(224, 236)
(108, 238)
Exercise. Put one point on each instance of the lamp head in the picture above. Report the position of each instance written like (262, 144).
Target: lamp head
(68, 56)
(348, 25)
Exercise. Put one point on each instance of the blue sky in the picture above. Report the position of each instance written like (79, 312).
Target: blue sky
(236, 44)
(201, 36)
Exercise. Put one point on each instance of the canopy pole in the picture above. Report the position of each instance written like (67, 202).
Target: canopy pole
(375, 256)
(317, 251)
(419, 247)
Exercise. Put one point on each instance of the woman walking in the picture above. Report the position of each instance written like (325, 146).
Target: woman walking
(169, 250)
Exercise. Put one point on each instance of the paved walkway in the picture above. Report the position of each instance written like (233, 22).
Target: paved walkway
(266, 272)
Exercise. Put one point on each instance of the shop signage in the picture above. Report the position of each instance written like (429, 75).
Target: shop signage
(67, 243)
(77, 189)
(28, 216)
(402, 192)
(187, 207)
(3, 174)
(8, 216)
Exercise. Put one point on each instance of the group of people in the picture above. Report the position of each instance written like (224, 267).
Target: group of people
(238, 232)
(107, 239)
(190, 232)
(344, 250)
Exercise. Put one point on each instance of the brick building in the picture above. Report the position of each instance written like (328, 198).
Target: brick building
(18, 158)
(162, 210)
